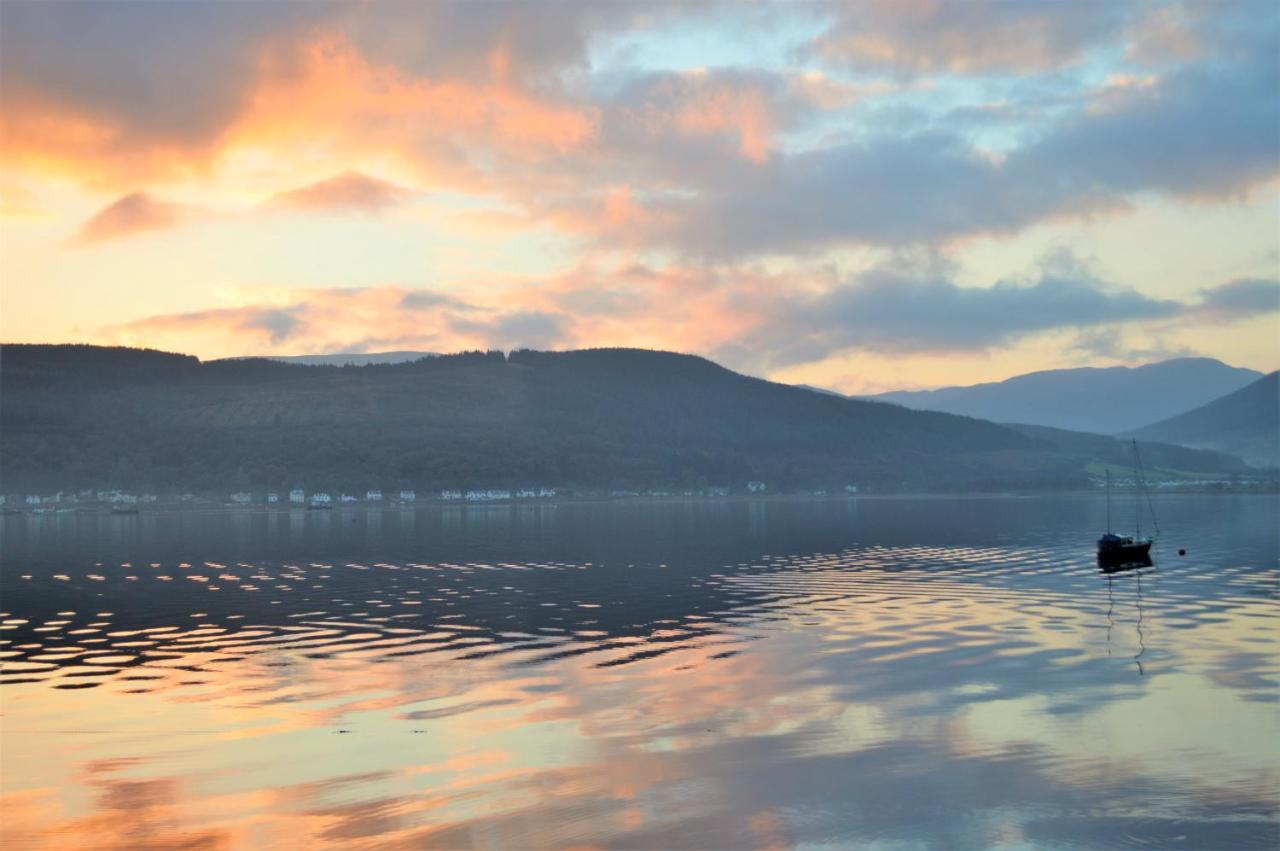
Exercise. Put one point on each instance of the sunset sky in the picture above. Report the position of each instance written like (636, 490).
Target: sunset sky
(866, 196)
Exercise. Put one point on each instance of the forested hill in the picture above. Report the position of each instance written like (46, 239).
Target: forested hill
(1245, 423)
(82, 416)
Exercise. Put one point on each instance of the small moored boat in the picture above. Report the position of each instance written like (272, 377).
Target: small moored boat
(1116, 550)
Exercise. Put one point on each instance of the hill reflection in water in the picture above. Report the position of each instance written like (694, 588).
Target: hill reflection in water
(707, 674)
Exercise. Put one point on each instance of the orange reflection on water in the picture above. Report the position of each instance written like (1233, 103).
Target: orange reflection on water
(834, 699)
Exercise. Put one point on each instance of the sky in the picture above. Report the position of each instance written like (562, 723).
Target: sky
(863, 196)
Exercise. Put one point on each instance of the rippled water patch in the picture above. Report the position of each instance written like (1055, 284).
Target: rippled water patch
(899, 674)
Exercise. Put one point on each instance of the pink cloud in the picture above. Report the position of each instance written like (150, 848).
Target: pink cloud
(134, 213)
(349, 190)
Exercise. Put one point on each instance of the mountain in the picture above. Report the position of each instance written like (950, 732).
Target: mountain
(1245, 423)
(1104, 449)
(1098, 400)
(83, 416)
(824, 391)
(350, 359)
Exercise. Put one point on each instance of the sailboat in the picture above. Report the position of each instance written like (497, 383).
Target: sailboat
(1116, 550)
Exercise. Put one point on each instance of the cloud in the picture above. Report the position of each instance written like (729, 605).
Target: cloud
(427, 300)
(1204, 133)
(745, 108)
(131, 214)
(1243, 298)
(963, 37)
(350, 320)
(349, 190)
(500, 100)
(748, 318)
(78, 99)
(897, 312)
(1111, 344)
(532, 329)
(273, 76)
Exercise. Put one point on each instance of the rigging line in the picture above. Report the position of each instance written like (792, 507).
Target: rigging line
(1142, 483)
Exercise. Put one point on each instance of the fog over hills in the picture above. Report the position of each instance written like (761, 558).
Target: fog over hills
(1106, 400)
(1245, 423)
(82, 416)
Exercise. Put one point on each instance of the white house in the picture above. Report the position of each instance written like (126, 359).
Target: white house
(546, 492)
(241, 498)
(850, 488)
(408, 496)
(297, 495)
(321, 498)
(33, 500)
(526, 493)
(373, 496)
(755, 487)
(450, 494)
(273, 498)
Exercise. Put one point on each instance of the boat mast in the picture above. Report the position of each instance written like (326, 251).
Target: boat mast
(1137, 496)
(1108, 500)
(1142, 489)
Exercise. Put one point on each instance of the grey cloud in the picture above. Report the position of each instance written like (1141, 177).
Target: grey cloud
(1107, 343)
(964, 37)
(167, 73)
(530, 329)
(537, 40)
(171, 77)
(887, 311)
(427, 300)
(1200, 133)
(279, 323)
(1241, 298)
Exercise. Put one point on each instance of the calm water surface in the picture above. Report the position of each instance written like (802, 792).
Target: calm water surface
(933, 673)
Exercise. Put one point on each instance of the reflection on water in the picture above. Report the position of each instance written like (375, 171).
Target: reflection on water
(888, 673)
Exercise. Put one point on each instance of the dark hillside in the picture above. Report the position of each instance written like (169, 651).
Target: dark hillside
(605, 418)
(1246, 423)
(1105, 449)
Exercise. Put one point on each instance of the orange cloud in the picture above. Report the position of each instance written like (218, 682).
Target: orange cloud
(305, 100)
(701, 103)
(41, 136)
(354, 320)
(333, 104)
(351, 189)
(743, 112)
(134, 213)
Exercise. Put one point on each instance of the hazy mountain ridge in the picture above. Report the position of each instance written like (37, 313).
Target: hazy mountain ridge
(603, 418)
(1245, 423)
(349, 358)
(1108, 400)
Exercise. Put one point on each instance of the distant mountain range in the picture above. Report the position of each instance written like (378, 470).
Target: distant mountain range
(84, 416)
(350, 359)
(1110, 400)
(1245, 423)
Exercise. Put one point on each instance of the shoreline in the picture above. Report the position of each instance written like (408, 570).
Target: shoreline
(524, 504)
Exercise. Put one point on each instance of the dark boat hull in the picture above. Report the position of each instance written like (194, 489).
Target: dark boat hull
(1124, 553)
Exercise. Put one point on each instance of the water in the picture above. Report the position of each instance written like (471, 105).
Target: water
(947, 673)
